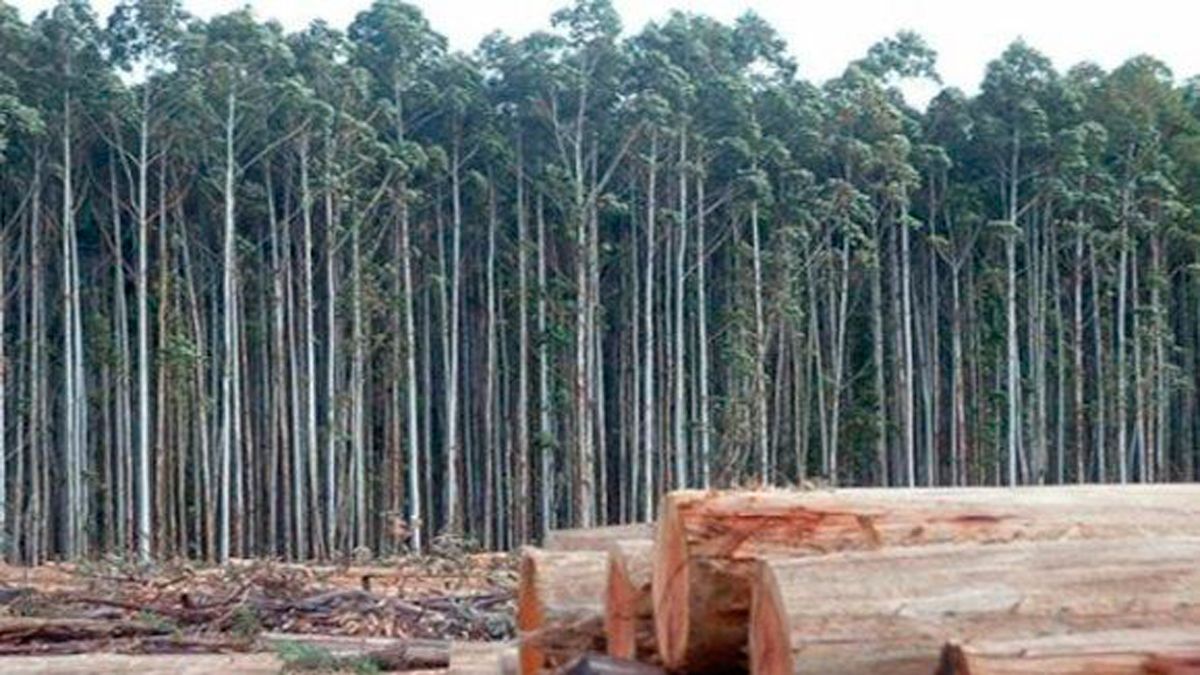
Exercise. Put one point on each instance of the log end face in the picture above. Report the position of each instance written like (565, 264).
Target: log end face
(530, 613)
(770, 643)
(669, 586)
(619, 620)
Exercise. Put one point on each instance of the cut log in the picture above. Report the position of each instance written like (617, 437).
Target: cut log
(708, 542)
(560, 606)
(383, 654)
(596, 538)
(597, 664)
(31, 629)
(1126, 652)
(482, 658)
(90, 664)
(891, 611)
(628, 609)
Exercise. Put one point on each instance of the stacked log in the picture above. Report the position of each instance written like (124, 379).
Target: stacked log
(560, 606)
(628, 608)
(1117, 652)
(891, 611)
(708, 545)
(596, 538)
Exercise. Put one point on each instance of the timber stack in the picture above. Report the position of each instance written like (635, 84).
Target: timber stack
(1064, 580)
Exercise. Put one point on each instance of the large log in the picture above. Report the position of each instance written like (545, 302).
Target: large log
(708, 542)
(628, 609)
(1121, 652)
(595, 538)
(340, 651)
(23, 630)
(560, 606)
(482, 658)
(891, 611)
(192, 664)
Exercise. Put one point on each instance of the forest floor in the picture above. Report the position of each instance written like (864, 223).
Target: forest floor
(300, 617)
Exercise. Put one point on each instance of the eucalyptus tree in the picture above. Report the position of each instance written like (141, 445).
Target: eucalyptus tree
(662, 106)
(460, 87)
(1014, 131)
(948, 127)
(142, 34)
(230, 58)
(355, 255)
(71, 42)
(21, 123)
(395, 43)
(575, 107)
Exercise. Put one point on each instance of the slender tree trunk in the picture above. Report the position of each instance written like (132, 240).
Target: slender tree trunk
(958, 421)
(521, 464)
(454, 507)
(907, 412)
(310, 352)
(490, 435)
(680, 411)
(545, 426)
(760, 354)
(1013, 366)
(648, 369)
(1077, 379)
(702, 376)
(142, 284)
(229, 441)
(1119, 329)
(1098, 334)
(877, 361)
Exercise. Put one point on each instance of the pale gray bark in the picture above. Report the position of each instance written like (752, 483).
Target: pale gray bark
(705, 422)
(648, 368)
(680, 411)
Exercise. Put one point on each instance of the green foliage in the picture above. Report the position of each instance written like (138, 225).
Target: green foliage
(388, 125)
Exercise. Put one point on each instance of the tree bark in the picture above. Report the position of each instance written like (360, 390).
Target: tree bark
(628, 607)
(596, 538)
(1113, 652)
(560, 606)
(851, 613)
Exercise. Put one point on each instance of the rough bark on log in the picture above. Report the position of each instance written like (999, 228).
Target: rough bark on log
(1119, 652)
(595, 538)
(708, 542)
(483, 658)
(892, 611)
(30, 629)
(560, 606)
(628, 609)
(90, 664)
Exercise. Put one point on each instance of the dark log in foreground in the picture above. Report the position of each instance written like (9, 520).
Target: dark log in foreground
(628, 606)
(892, 611)
(560, 606)
(708, 543)
(596, 538)
(598, 664)
(1122, 652)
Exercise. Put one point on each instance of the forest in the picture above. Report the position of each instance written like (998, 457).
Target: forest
(351, 292)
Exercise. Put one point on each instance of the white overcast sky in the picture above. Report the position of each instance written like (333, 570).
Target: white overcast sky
(824, 35)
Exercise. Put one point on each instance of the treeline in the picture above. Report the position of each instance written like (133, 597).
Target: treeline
(327, 293)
